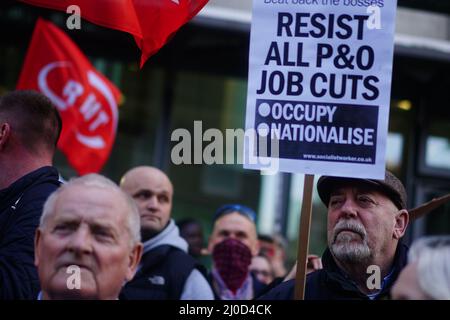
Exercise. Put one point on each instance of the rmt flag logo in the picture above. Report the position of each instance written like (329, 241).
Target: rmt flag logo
(86, 100)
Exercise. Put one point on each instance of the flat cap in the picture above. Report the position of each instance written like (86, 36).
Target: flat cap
(391, 186)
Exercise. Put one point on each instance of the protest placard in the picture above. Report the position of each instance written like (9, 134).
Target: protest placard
(319, 93)
(319, 85)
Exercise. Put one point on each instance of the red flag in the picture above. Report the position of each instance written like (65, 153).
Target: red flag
(151, 22)
(86, 100)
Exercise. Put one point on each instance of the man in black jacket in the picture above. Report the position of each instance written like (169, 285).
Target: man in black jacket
(29, 130)
(366, 221)
(166, 270)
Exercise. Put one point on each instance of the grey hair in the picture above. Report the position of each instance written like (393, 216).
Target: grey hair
(98, 181)
(432, 255)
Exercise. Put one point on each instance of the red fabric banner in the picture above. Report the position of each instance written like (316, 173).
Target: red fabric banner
(151, 22)
(86, 100)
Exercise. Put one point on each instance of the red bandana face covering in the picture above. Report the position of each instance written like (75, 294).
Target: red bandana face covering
(232, 259)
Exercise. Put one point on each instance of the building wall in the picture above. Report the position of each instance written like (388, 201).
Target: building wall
(423, 24)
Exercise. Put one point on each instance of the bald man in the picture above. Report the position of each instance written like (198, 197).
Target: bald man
(166, 270)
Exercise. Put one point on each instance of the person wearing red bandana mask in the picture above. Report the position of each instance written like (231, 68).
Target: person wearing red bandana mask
(232, 244)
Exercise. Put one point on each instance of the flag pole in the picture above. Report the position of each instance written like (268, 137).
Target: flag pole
(303, 237)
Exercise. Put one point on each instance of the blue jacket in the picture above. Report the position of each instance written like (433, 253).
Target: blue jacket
(20, 210)
(330, 283)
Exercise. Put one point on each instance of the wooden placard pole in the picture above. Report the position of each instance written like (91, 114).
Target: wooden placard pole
(303, 237)
(425, 208)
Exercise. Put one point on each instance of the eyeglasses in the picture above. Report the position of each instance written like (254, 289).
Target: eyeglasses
(230, 208)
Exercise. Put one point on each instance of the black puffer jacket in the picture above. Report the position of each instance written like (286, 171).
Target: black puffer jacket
(330, 283)
(20, 210)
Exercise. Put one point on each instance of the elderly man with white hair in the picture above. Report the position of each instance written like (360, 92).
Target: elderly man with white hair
(427, 275)
(88, 242)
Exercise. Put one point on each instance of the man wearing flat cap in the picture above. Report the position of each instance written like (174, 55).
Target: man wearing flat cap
(366, 220)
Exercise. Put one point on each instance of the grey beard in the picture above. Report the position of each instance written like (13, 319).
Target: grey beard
(350, 252)
(345, 248)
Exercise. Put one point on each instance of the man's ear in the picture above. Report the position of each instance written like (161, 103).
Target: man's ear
(5, 132)
(401, 222)
(134, 259)
(210, 243)
(256, 248)
(37, 239)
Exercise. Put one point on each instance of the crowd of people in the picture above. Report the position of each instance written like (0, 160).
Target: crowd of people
(90, 238)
